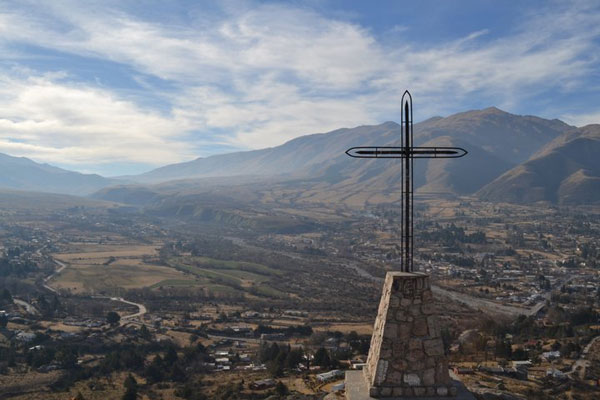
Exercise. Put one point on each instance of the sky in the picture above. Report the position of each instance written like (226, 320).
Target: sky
(121, 87)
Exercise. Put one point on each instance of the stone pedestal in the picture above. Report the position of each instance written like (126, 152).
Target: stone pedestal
(406, 358)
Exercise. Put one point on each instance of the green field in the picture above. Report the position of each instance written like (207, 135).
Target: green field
(243, 276)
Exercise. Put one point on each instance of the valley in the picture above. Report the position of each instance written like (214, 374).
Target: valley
(237, 285)
(261, 271)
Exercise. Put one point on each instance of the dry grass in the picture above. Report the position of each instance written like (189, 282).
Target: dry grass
(347, 327)
(89, 271)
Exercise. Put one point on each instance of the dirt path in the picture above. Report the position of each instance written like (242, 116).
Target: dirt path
(580, 365)
(30, 309)
(141, 308)
(61, 267)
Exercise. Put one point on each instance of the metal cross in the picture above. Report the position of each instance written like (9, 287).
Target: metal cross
(408, 153)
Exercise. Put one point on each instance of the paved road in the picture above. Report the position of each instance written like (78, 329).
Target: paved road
(141, 308)
(125, 319)
(479, 303)
(473, 302)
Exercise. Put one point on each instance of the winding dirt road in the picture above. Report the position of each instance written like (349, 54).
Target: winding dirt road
(61, 267)
(141, 308)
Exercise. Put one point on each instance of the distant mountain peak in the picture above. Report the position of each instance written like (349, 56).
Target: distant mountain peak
(495, 110)
(432, 119)
(22, 173)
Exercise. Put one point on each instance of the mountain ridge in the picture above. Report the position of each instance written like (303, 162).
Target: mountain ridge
(22, 173)
(501, 147)
(566, 171)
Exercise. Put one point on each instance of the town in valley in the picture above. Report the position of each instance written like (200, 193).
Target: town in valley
(96, 297)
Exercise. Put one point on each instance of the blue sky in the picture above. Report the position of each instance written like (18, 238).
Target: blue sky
(120, 87)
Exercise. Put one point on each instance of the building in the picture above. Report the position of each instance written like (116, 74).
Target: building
(551, 355)
(262, 384)
(330, 376)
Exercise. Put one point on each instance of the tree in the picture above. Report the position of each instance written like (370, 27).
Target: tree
(66, 357)
(5, 297)
(352, 336)
(275, 368)
(171, 356)
(322, 358)
(131, 387)
(503, 349)
(177, 374)
(145, 333)
(113, 318)
(281, 389)
(293, 358)
(155, 371)
(3, 321)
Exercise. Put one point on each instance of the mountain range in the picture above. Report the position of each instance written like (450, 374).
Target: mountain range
(512, 158)
(20, 173)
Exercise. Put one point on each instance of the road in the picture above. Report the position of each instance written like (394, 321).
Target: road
(141, 308)
(30, 309)
(479, 303)
(61, 267)
(580, 365)
(473, 302)
(125, 318)
(239, 339)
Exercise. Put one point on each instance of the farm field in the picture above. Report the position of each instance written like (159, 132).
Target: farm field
(237, 275)
(104, 268)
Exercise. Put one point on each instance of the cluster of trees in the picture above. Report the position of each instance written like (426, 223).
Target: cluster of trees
(18, 267)
(170, 363)
(526, 327)
(452, 236)
(169, 366)
(48, 306)
(503, 348)
(63, 356)
(5, 297)
(229, 391)
(575, 317)
(279, 358)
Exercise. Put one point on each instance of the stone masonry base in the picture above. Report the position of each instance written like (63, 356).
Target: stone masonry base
(406, 357)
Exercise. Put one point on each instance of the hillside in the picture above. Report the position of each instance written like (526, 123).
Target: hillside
(315, 168)
(17, 200)
(20, 173)
(566, 171)
(496, 141)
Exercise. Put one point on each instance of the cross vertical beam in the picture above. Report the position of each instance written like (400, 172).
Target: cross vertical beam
(408, 152)
(406, 230)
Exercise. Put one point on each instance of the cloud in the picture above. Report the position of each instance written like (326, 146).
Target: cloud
(71, 124)
(582, 119)
(256, 76)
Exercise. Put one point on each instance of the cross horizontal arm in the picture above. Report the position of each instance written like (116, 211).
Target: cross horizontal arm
(401, 152)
